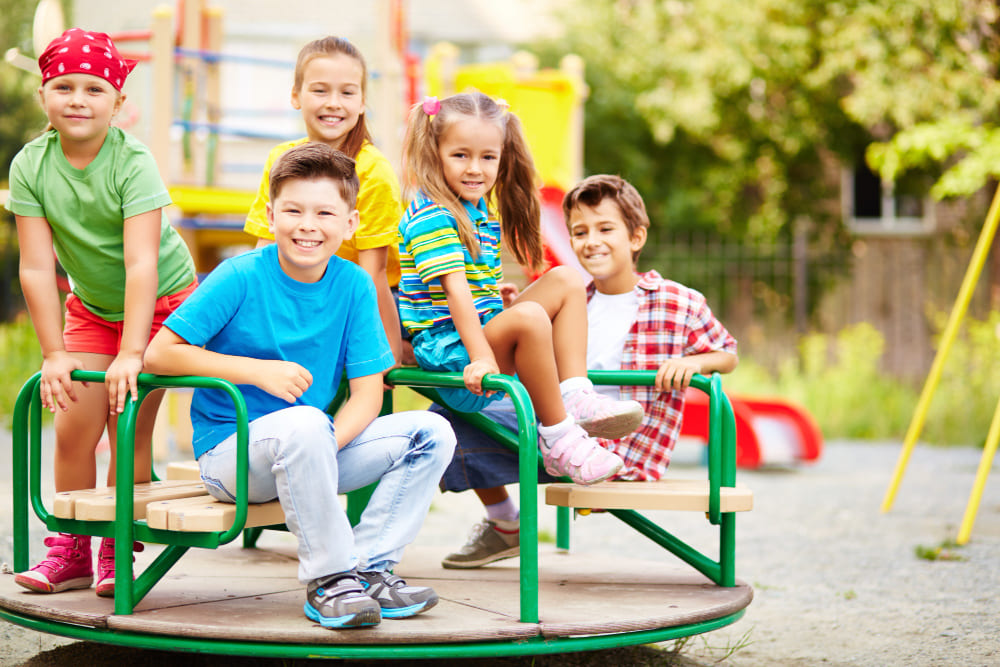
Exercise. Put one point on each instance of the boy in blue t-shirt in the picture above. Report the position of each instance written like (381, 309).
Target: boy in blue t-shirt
(284, 322)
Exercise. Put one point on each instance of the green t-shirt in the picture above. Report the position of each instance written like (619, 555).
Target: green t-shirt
(86, 209)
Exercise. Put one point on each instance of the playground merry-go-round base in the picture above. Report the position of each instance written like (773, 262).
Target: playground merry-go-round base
(236, 601)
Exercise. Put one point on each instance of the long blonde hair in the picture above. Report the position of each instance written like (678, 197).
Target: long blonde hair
(331, 46)
(514, 195)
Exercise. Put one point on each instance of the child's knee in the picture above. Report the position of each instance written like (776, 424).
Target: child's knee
(436, 431)
(568, 277)
(307, 424)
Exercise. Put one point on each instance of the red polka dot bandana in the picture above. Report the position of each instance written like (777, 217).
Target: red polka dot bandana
(79, 51)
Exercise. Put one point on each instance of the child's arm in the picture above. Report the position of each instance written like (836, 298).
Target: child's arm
(37, 273)
(373, 261)
(361, 408)
(142, 252)
(169, 354)
(463, 314)
(676, 373)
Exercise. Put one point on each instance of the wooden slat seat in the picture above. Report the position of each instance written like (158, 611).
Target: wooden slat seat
(99, 504)
(690, 495)
(183, 470)
(206, 514)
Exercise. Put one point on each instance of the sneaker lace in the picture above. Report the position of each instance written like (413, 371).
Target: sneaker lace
(61, 551)
(477, 532)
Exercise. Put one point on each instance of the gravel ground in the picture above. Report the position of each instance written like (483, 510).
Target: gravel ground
(836, 581)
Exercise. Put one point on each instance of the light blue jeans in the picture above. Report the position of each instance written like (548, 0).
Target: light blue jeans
(293, 457)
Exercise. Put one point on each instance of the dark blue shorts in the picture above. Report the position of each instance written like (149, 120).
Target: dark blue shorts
(480, 462)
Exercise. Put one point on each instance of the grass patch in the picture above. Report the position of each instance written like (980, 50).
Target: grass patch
(21, 358)
(944, 551)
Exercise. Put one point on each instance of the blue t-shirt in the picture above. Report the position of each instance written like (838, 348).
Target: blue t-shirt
(249, 307)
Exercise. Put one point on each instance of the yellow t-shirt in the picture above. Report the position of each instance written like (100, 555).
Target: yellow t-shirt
(379, 206)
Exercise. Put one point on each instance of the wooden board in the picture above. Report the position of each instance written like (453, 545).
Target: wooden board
(206, 514)
(99, 504)
(183, 470)
(102, 507)
(689, 495)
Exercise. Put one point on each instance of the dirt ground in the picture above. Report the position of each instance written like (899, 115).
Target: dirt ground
(836, 582)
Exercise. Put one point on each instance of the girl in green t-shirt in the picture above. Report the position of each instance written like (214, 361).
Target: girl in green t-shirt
(94, 195)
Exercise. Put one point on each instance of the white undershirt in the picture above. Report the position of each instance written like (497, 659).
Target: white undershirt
(609, 319)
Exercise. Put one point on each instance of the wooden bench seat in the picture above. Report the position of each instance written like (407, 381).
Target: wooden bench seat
(99, 504)
(206, 514)
(183, 470)
(690, 495)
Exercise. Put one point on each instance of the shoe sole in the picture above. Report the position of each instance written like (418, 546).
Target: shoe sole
(513, 552)
(45, 587)
(412, 610)
(614, 427)
(366, 617)
(106, 590)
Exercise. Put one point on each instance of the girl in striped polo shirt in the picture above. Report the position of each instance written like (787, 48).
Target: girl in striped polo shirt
(467, 156)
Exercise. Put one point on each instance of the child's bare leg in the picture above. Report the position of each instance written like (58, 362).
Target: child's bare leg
(145, 421)
(521, 338)
(79, 430)
(492, 496)
(563, 295)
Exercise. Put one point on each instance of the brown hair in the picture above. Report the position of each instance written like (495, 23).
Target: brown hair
(314, 160)
(592, 190)
(514, 195)
(331, 46)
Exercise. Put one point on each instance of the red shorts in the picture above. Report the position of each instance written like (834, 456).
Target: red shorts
(86, 332)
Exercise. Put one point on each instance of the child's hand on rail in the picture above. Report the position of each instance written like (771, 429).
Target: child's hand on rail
(121, 380)
(56, 387)
(677, 373)
(285, 379)
(474, 373)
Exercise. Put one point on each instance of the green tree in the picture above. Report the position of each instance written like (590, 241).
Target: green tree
(743, 103)
(22, 117)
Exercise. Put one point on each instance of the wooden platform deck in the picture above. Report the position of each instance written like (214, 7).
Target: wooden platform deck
(254, 596)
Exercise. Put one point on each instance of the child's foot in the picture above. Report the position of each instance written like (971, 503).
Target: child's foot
(579, 457)
(66, 566)
(601, 416)
(395, 597)
(339, 601)
(106, 566)
(490, 540)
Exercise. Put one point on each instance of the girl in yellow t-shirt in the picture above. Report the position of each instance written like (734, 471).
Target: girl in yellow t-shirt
(329, 89)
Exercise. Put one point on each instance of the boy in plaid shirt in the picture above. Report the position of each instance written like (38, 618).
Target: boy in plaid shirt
(636, 322)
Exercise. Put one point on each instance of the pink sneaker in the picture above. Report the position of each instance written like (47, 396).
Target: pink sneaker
(580, 458)
(106, 566)
(601, 416)
(66, 566)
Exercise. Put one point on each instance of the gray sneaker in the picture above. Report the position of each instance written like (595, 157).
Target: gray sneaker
(396, 598)
(339, 601)
(490, 540)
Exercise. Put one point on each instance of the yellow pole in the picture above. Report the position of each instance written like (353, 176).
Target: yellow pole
(947, 339)
(985, 463)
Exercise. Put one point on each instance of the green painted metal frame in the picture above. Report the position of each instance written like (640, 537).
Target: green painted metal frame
(125, 529)
(518, 647)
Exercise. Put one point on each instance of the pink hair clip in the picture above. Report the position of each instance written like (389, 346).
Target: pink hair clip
(431, 105)
(503, 104)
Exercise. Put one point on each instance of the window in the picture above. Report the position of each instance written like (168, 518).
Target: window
(872, 207)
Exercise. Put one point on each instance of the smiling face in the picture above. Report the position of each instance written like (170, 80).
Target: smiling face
(602, 243)
(331, 98)
(309, 219)
(80, 107)
(470, 155)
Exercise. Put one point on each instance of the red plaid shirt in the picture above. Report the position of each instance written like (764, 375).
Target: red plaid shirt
(673, 321)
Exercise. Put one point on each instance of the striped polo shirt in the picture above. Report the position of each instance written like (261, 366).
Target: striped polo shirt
(429, 247)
